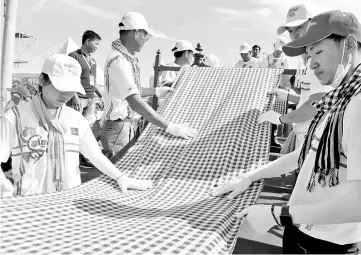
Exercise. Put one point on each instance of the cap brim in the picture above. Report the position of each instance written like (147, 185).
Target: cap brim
(23, 92)
(151, 32)
(294, 23)
(67, 84)
(298, 47)
(244, 51)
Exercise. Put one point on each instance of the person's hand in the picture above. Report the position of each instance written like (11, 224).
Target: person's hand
(259, 217)
(126, 183)
(161, 92)
(181, 130)
(77, 104)
(237, 186)
(270, 116)
(6, 188)
(281, 94)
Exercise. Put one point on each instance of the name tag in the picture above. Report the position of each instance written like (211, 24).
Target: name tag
(92, 80)
(74, 131)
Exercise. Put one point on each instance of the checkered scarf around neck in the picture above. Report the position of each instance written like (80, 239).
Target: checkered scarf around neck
(56, 153)
(327, 160)
(133, 60)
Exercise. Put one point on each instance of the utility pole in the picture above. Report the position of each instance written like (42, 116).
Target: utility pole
(8, 48)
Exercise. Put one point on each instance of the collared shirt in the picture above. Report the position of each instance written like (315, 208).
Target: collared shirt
(28, 146)
(88, 67)
(252, 63)
(283, 62)
(350, 162)
(119, 84)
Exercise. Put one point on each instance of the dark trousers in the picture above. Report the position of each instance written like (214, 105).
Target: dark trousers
(296, 242)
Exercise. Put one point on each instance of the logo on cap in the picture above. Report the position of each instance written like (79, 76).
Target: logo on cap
(72, 69)
(292, 12)
(313, 23)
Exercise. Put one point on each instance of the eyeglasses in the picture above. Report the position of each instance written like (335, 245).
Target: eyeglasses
(145, 34)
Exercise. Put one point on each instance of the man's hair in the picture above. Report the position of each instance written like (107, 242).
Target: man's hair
(338, 38)
(45, 81)
(256, 46)
(179, 54)
(91, 35)
(122, 32)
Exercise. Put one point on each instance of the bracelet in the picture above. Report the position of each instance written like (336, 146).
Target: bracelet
(273, 214)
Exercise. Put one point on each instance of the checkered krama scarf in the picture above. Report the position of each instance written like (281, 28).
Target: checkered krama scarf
(56, 153)
(133, 60)
(327, 160)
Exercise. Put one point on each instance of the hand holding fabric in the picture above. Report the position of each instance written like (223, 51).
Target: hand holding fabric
(259, 218)
(270, 116)
(181, 130)
(237, 186)
(161, 92)
(281, 94)
(126, 182)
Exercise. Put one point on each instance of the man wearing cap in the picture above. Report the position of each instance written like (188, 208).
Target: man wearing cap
(124, 106)
(297, 22)
(277, 59)
(323, 214)
(45, 137)
(247, 60)
(183, 52)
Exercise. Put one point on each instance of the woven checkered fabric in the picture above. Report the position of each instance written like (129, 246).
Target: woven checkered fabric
(178, 215)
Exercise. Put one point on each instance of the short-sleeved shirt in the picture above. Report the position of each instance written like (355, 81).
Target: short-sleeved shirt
(88, 67)
(252, 63)
(283, 62)
(350, 162)
(119, 84)
(28, 146)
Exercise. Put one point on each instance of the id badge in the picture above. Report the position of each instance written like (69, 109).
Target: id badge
(92, 80)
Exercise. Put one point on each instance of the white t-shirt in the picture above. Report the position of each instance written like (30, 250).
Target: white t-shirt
(309, 85)
(283, 62)
(169, 76)
(119, 84)
(34, 140)
(349, 171)
(252, 63)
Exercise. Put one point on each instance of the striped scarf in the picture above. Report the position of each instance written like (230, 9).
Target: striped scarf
(133, 60)
(56, 153)
(327, 160)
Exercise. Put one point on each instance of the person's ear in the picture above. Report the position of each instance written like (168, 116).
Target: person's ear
(350, 44)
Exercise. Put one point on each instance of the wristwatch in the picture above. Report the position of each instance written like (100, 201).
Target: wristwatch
(285, 217)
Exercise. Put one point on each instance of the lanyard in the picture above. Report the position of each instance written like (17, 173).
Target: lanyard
(91, 71)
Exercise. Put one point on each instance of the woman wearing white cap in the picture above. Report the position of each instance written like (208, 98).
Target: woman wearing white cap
(45, 137)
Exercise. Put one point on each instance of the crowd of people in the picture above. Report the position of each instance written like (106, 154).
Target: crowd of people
(44, 137)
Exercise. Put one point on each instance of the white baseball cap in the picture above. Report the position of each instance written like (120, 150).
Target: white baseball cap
(64, 73)
(280, 42)
(183, 45)
(135, 20)
(297, 15)
(211, 60)
(245, 48)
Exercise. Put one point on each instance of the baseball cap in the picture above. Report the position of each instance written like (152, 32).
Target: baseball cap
(323, 25)
(135, 20)
(64, 73)
(183, 45)
(297, 15)
(245, 48)
(19, 89)
(280, 42)
(211, 60)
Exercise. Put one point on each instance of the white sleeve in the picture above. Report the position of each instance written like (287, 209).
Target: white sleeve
(237, 65)
(264, 63)
(351, 140)
(8, 134)
(287, 63)
(121, 74)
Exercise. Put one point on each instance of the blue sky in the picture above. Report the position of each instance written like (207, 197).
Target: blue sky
(220, 26)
